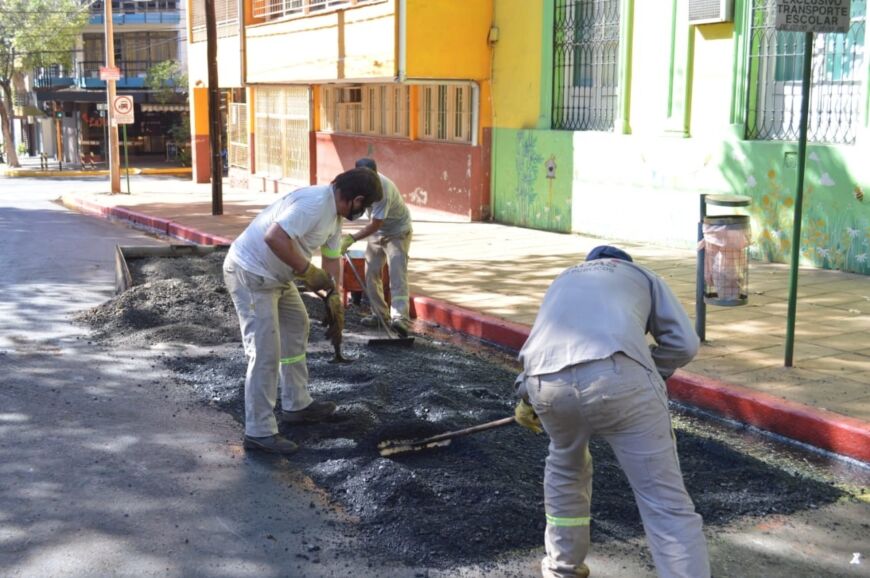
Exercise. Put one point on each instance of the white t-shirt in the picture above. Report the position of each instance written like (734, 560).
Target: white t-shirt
(391, 210)
(308, 215)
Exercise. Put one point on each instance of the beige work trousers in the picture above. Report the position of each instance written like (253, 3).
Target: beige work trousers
(395, 250)
(275, 327)
(626, 404)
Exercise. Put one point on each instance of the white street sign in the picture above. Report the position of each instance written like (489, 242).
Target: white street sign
(813, 15)
(122, 109)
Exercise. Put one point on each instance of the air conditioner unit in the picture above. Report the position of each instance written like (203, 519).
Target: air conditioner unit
(710, 11)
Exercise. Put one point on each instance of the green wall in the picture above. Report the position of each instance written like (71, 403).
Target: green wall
(522, 192)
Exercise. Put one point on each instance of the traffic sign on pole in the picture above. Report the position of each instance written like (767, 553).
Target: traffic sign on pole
(122, 109)
(110, 73)
(813, 15)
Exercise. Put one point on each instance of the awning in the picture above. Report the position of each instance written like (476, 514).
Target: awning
(27, 110)
(146, 107)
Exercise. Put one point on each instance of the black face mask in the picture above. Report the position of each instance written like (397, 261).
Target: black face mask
(355, 213)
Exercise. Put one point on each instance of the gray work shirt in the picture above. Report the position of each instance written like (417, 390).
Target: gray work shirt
(391, 210)
(605, 306)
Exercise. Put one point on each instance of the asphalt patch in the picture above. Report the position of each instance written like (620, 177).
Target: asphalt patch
(474, 501)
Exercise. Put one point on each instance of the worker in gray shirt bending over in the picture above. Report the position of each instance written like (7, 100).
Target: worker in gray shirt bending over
(588, 370)
(389, 234)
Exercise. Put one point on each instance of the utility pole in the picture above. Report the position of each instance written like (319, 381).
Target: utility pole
(214, 113)
(114, 160)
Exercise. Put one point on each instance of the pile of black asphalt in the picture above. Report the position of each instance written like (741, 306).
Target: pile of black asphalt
(475, 501)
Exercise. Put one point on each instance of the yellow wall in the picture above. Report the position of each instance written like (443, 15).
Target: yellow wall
(712, 79)
(448, 38)
(199, 111)
(516, 68)
(356, 43)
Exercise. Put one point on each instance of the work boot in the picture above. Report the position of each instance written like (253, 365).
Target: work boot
(275, 444)
(317, 411)
(400, 327)
(369, 321)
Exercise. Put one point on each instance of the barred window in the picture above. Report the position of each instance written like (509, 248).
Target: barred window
(274, 9)
(586, 64)
(446, 112)
(775, 77)
(281, 132)
(226, 15)
(376, 109)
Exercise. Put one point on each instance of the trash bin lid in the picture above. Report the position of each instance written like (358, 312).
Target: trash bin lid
(728, 200)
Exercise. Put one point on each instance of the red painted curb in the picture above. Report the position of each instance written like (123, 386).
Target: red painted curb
(499, 331)
(156, 223)
(195, 235)
(817, 427)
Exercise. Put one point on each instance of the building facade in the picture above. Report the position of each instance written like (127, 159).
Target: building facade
(312, 85)
(610, 117)
(75, 100)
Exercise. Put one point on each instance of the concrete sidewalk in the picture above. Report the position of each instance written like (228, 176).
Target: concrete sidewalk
(488, 280)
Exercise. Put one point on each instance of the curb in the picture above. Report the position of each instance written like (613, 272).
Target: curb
(14, 173)
(817, 427)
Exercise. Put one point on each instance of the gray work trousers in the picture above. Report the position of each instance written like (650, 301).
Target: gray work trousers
(395, 250)
(626, 404)
(274, 326)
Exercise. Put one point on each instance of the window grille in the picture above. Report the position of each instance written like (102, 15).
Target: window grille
(238, 135)
(376, 109)
(446, 112)
(274, 9)
(226, 15)
(281, 132)
(586, 64)
(775, 77)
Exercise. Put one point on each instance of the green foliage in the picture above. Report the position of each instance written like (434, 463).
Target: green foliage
(37, 33)
(166, 79)
(180, 133)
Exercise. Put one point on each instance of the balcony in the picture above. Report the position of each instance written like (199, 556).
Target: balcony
(52, 77)
(137, 12)
(133, 73)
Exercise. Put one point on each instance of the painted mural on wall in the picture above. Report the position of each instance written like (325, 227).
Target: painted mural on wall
(836, 218)
(532, 184)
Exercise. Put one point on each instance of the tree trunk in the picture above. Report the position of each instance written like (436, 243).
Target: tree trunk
(6, 121)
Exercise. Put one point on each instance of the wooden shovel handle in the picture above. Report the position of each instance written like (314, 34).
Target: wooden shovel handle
(464, 432)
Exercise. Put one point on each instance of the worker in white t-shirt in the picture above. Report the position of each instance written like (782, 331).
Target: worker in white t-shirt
(262, 263)
(389, 233)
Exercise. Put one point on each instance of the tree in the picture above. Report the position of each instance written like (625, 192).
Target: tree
(166, 79)
(33, 34)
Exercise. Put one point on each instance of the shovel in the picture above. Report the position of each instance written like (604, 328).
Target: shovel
(393, 447)
(394, 338)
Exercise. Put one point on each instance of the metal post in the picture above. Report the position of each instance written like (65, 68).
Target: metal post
(214, 113)
(114, 161)
(126, 158)
(799, 199)
(700, 306)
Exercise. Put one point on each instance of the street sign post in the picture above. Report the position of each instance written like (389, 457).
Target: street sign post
(809, 17)
(122, 113)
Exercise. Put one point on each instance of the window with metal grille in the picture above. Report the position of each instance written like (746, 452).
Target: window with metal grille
(376, 109)
(776, 71)
(586, 64)
(226, 15)
(238, 135)
(274, 9)
(281, 129)
(446, 112)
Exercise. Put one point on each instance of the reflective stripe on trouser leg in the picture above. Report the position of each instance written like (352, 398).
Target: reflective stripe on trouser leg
(567, 477)
(256, 305)
(374, 283)
(293, 329)
(397, 260)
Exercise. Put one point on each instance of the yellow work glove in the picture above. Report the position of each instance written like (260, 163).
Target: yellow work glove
(346, 242)
(526, 417)
(335, 316)
(315, 278)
